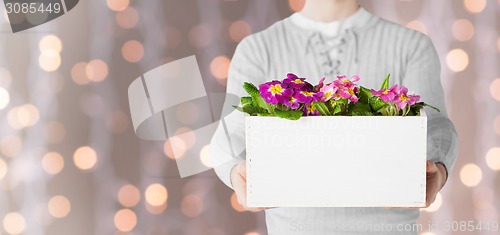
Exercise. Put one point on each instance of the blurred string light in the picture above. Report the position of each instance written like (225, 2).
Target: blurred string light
(471, 175)
(495, 89)
(156, 210)
(78, 73)
(3, 168)
(205, 156)
(117, 5)
(96, 70)
(252, 233)
(23, 116)
(427, 233)
(200, 36)
(457, 60)
(156, 195)
(11, 145)
(50, 48)
(417, 25)
(132, 51)
(239, 30)
(496, 124)
(52, 163)
(220, 68)
(127, 18)
(192, 205)
(14, 223)
(174, 147)
(156, 198)
(125, 220)
(493, 158)
(129, 195)
(85, 158)
(6, 77)
(187, 135)
(4, 98)
(296, 5)
(59, 206)
(462, 30)
(435, 205)
(475, 6)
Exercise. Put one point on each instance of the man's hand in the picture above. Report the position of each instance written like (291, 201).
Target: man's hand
(239, 181)
(436, 177)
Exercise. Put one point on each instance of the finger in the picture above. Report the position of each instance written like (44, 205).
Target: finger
(431, 167)
(243, 170)
(256, 209)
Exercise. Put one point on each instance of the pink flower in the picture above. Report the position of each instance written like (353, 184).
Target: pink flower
(404, 99)
(387, 95)
(349, 93)
(344, 81)
(329, 92)
(346, 88)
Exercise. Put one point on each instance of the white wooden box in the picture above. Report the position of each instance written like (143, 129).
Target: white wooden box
(336, 161)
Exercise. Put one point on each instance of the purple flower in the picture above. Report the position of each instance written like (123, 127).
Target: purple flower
(387, 95)
(274, 92)
(293, 81)
(310, 110)
(306, 97)
(320, 84)
(404, 99)
(291, 102)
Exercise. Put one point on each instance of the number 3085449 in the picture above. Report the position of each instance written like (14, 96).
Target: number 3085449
(34, 7)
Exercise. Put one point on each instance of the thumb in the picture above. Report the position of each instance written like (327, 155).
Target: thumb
(431, 166)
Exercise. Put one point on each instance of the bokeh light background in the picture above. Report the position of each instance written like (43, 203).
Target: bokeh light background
(71, 164)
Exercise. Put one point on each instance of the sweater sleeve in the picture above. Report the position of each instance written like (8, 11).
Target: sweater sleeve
(422, 76)
(228, 143)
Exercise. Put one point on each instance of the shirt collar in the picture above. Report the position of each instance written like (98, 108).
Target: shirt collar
(334, 28)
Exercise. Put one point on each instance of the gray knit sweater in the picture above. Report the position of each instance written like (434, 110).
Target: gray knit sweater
(362, 44)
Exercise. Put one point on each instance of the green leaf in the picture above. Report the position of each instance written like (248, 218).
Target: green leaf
(359, 109)
(430, 106)
(238, 108)
(322, 108)
(290, 115)
(416, 108)
(385, 84)
(246, 100)
(338, 106)
(364, 94)
(265, 114)
(251, 89)
(376, 103)
(337, 110)
(253, 110)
